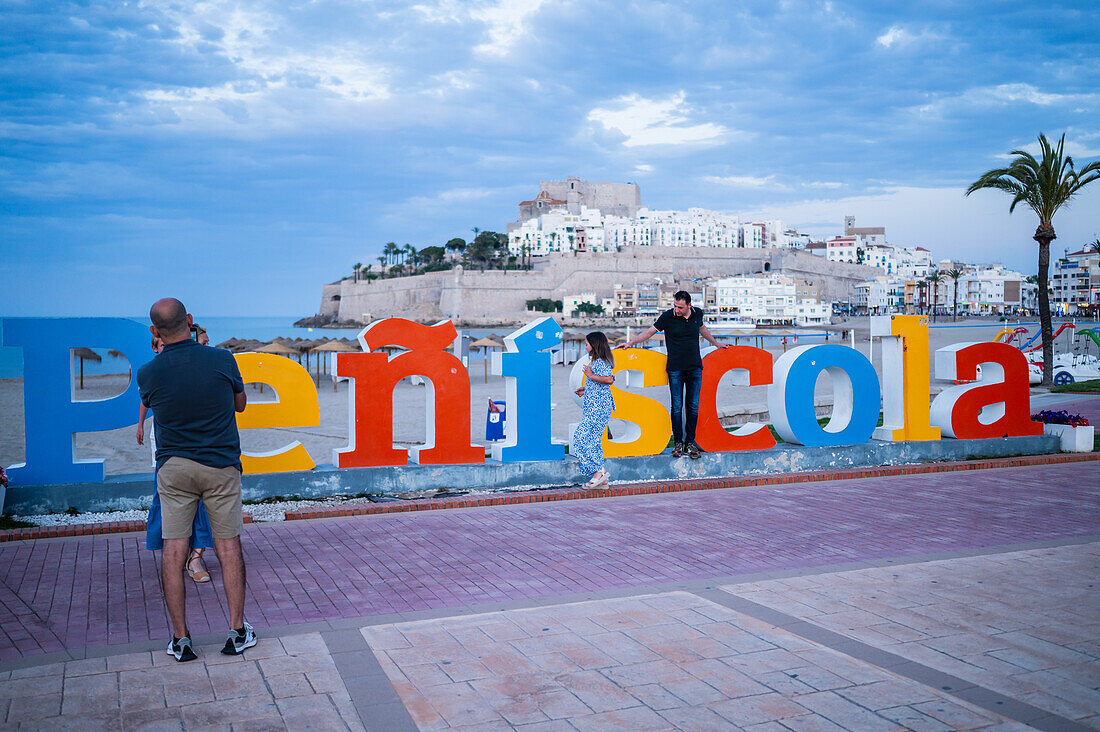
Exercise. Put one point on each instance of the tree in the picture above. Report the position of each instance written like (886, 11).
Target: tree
(455, 246)
(1093, 246)
(587, 308)
(955, 274)
(934, 280)
(355, 270)
(390, 250)
(382, 261)
(1045, 185)
(413, 254)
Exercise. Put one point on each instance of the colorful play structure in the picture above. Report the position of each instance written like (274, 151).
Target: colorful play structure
(1076, 363)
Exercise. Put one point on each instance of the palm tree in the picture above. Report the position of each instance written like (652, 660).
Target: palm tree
(412, 252)
(935, 279)
(955, 274)
(1045, 185)
(382, 261)
(1093, 246)
(390, 250)
(355, 270)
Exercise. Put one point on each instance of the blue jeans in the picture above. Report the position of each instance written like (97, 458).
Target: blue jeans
(689, 381)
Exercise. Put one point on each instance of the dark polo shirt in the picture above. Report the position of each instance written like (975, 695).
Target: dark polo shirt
(190, 389)
(681, 339)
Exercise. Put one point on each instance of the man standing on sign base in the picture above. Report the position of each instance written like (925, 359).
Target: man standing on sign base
(682, 326)
(195, 392)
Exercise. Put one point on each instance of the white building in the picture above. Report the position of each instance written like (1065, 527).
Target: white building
(764, 299)
(879, 296)
(1075, 281)
(907, 262)
(990, 290)
(559, 230)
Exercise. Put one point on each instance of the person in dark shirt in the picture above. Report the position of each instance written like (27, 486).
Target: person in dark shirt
(682, 326)
(195, 392)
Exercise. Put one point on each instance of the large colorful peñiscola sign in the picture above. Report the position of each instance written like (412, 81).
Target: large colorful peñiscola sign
(996, 406)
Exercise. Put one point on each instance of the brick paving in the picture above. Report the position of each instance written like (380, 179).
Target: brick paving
(428, 619)
(103, 590)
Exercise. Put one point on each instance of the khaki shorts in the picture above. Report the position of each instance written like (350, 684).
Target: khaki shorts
(182, 482)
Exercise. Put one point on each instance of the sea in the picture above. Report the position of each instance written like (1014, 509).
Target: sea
(219, 329)
(268, 328)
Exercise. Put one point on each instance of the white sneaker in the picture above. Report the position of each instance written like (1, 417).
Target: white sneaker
(238, 641)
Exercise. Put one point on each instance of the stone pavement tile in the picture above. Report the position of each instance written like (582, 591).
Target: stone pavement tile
(85, 666)
(809, 723)
(552, 725)
(284, 685)
(596, 691)
(32, 686)
(459, 704)
(734, 638)
(554, 662)
(958, 715)
(194, 690)
(758, 708)
(776, 659)
(844, 713)
(326, 681)
(622, 647)
(228, 712)
(694, 719)
(818, 678)
(346, 708)
(234, 682)
(140, 698)
(49, 669)
(150, 720)
(888, 693)
(655, 697)
(260, 725)
(130, 661)
(90, 694)
(28, 708)
(910, 718)
(637, 719)
(310, 712)
(785, 683)
(727, 681)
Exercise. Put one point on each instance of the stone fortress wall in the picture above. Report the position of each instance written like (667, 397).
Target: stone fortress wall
(492, 297)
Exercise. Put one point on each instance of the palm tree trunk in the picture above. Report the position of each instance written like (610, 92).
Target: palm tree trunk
(1045, 235)
(955, 303)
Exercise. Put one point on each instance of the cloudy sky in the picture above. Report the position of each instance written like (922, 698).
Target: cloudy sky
(239, 154)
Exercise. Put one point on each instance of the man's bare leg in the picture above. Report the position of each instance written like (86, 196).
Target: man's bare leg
(171, 577)
(231, 559)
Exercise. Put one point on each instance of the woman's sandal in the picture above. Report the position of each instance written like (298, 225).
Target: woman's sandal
(200, 575)
(599, 480)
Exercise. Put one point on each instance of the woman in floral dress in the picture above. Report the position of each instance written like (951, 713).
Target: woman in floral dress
(598, 406)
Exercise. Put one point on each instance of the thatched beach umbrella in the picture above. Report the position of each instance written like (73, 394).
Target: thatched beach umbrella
(333, 346)
(485, 344)
(85, 353)
(278, 349)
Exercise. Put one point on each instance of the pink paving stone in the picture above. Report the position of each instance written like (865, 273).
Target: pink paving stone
(70, 593)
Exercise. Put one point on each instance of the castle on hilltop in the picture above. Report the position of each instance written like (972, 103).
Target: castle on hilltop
(573, 194)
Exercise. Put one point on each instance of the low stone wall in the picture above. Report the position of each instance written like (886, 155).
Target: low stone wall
(495, 296)
(134, 491)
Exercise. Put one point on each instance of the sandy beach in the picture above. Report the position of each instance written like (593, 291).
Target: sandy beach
(123, 455)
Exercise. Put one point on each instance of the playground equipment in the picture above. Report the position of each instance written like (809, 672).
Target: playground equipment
(1058, 332)
(1007, 335)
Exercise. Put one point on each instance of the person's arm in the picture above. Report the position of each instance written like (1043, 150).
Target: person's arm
(142, 411)
(589, 373)
(240, 401)
(642, 337)
(705, 332)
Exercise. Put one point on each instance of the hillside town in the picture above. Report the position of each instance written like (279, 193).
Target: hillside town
(590, 251)
(578, 216)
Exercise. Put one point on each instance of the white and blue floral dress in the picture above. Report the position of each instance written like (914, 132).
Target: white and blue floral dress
(598, 406)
